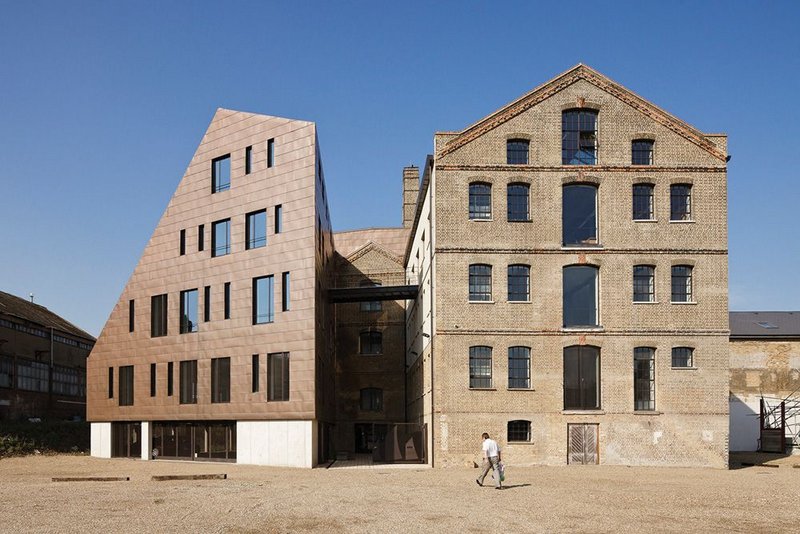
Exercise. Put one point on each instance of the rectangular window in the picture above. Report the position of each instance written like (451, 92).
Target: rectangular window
(278, 376)
(644, 287)
(579, 137)
(581, 378)
(263, 298)
(681, 283)
(227, 296)
(682, 357)
(517, 151)
(255, 371)
(188, 311)
(519, 367)
(188, 382)
(170, 378)
(370, 342)
(372, 400)
(642, 152)
(255, 229)
(278, 218)
(643, 202)
(517, 200)
(519, 283)
(152, 380)
(270, 153)
(680, 202)
(285, 292)
(519, 431)
(248, 160)
(220, 379)
(480, 367)
(158, 315)
(207, 303)
(221, 174)
(221, 238)
(480, 282)
(370, 305)
(644, 381)
(480, 201)
(183, 242)
(131, 310)
(110, 383)
(126, 385)
(579, 296)
(201, 238)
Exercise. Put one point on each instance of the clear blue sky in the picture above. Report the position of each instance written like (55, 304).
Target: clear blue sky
(102, 105)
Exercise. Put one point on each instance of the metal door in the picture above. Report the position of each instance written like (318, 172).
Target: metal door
(582, 443)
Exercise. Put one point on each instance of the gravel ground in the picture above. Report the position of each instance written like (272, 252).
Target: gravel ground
(263, 499)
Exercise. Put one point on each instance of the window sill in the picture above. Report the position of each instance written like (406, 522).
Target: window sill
(647, 412)
(483, 389)
(684, 368)
(646, 302)
(582, 329)
(481, 220)
(509, 443)
(481, 301)
(581, 247)
(645, 220)
(583, 412)
(684, 303)
(520, 302)
(520, 221)
(520, 389)
(686, 221)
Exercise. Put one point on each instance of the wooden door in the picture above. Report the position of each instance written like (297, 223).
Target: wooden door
(583, 443)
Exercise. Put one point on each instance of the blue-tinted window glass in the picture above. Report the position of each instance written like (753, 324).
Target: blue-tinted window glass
(221, 238)
(580, 295)
(256, 230)
(221, 174)
(189, 311)
(263, 298)
(579, 215)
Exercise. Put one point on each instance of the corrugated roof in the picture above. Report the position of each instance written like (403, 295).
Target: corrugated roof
(765, 324)
(34, 313)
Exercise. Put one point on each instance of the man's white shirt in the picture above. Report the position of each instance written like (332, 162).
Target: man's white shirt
(490, 448)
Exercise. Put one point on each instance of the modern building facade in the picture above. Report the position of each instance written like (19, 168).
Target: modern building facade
(42, 362)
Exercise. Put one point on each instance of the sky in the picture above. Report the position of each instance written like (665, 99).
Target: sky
(102, 105)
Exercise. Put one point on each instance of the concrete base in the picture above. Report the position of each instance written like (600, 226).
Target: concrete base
(101, 440)
(277, 443)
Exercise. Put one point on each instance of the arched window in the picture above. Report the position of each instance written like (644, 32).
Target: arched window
(519, 367)
(579, 215)
(644, 286)
(642, 152)
(480, 282)
(517, 202)
(580, 295)
(581, 377)
(519, 277)
(680, 202)
(681, 283)
(372, 400)
(480, 201)
(644, 379)
(370, 342)
(519, 431)
(643, 202)
(517, 151)
(579, 137)
(480, 367)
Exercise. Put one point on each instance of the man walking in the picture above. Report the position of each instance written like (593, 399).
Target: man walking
(491, 459)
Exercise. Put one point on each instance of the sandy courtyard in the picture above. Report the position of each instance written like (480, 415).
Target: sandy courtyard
(262, 499)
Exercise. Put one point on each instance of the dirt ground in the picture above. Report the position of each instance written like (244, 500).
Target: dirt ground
(263, 499)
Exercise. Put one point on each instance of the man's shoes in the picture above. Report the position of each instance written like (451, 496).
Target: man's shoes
(501, 487)
(478, 482)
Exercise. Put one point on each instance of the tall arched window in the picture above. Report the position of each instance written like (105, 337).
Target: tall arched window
(579, 215)
(580, 295)
(581, 377)
(579, 137)
(480, 201)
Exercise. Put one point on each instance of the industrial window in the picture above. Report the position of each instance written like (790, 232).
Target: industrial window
(254, 364)
(682, 357)
(271, 153)
(221, 174)
(680, 202)
(370, 342)
(681, 283)
(370, 305)
(580, 296)
(188, 311)
(644, 379)
(170, 378)
(6, 371)
(579, 215)
(480, 367)
(70, 381)
(131, 309)
(220, 379)
(642, 152)
(221, 238)
(285, 289)
(201, 238)
(256, 230)
(643, 202)
(263, 299)
(207, 304)
(581, 378)
(519, 367)
(158, 315)
(519, 277)
(152, 380)
(519, 431)
(278, 376)
(579, 137)
(34, 376)
(126, 385)
(372, 400)
(480, 201)
(517, 202)
(517, 151)
(278, 218)
(248, 160)
(188, 382)
(183, 242)
(227, 298)
(644, 287)
(110, 382)
(480, 282)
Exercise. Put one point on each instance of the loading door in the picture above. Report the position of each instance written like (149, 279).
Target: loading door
(582, 443)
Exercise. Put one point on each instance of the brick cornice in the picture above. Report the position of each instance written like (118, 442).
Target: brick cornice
(573, 251)
(576, 334)
(561, 82)
(574, 169)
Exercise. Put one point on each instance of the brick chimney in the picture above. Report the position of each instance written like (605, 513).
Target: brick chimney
(410, 194)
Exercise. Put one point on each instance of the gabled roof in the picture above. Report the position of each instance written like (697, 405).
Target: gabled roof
(28, 311)
(564, 80)
(372, 246)
(774, 325)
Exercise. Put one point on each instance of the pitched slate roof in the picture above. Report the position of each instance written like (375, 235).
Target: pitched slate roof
(771, 325)
(16, 307)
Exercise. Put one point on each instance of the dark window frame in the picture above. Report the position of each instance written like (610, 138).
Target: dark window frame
(517, 151)
(170, 379)
(517, 274)
(370, 342)
(279, 218)
(480, 201)
(254, 373)
(286, 303)
(252, 239)
(248, 159)
(278, 376)
(576, 228)
(571, 314)
(270, 153)
(269, 317)
(642, 151)
(480, 367)
(586, 358)
(643, 202)
(519, 367)
(187, 326)
(227, 300)
(206, 304)
(153, 379)
(217, 174)
(220, 380)
(644, 379)
(682, 358)
(188, 382)
(518, 431)
(159, 315)
(183, 243)
(201, 237)
(480, 282)
(644, 283)
(579, 138)
(680, 202)
(131, 315)
(218, 250)
(370, 305)
(126, 384)
(371, 399)
(514, 202)
(110, 382)
(682, 283)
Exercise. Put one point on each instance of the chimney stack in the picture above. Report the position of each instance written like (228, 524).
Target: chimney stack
(410, 194)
